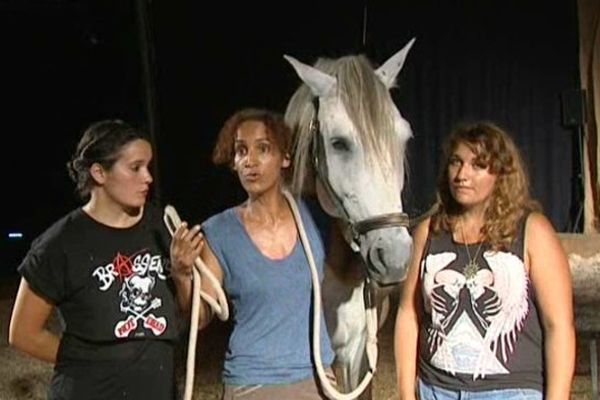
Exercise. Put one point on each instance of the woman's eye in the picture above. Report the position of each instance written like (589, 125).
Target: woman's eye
(340, 144)
(240, 151)
(479, 165)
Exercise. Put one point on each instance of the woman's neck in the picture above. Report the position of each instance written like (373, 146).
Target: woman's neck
(268, 208)
(112, 214)
(468, 226)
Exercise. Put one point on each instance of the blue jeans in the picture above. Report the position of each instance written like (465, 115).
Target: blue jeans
(431, 392)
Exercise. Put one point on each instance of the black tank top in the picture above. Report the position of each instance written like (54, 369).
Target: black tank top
(481, 329)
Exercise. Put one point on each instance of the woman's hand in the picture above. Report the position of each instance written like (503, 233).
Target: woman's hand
(186, 245)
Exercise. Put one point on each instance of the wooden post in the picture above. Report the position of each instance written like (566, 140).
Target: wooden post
(148, 74)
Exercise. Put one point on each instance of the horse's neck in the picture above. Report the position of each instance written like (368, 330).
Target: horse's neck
(346, 265)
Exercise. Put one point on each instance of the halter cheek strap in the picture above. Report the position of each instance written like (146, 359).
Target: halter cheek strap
(320, 164)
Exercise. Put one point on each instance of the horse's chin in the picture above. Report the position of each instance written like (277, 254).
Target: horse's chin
(383, 281)
(387, 254)
(389, 284)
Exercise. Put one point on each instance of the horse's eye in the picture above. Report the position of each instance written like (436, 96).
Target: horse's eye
(340, 144)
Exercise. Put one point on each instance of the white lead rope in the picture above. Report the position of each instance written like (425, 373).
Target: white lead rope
(221, 309)
(219, 306)
(371, 316)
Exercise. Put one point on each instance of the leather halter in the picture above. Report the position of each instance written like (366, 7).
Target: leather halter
(353, 229)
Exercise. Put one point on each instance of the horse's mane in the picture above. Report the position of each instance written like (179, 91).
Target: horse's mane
(369, 107)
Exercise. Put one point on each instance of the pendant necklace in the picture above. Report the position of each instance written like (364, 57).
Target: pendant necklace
(471, 268)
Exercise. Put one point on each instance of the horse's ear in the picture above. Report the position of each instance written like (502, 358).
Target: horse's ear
(389, 70)
(320, 83)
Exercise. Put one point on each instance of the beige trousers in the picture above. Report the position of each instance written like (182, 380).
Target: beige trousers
(309, 389)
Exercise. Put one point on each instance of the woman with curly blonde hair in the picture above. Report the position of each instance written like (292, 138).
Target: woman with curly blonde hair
(486, 311)
(510, 199)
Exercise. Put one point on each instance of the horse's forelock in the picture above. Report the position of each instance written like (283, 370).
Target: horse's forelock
(369, 106)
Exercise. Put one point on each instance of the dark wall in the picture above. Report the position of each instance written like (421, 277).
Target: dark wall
(498, 60)
(68, 63)
(212, 63)
(63, 65)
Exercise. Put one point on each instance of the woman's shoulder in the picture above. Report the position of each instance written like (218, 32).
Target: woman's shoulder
(537, 222)
(153, 209)
(153, 215)
(310, 208)
(60, 230)
(539, 232)
(421, 231)
(219, 219)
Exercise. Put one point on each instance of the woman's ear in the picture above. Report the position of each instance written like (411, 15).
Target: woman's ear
(97, 173)
(287, 160)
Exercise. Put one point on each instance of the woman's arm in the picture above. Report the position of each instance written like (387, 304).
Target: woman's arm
(406, 332)
(27, 331)
(186, 246)
(551, 279)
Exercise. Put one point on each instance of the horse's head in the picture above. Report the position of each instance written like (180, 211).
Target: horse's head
(350, 134)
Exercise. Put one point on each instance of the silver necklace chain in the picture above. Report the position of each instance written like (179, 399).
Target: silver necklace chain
(471, 268)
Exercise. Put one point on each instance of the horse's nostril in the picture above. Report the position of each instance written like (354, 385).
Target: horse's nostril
(377, 258)
(380, 252)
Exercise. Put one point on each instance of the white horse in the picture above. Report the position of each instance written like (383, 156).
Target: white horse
(350, 144)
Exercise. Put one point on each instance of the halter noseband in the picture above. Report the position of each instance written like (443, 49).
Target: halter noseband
(353, 229)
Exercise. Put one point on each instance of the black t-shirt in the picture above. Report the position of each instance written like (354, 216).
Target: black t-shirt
(112, 289)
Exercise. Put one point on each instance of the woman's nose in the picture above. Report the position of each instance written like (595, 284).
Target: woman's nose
(148, 176)
(251, 158)
(462, 172)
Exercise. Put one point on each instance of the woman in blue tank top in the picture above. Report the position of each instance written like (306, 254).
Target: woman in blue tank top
(255, 251)
(486, 311)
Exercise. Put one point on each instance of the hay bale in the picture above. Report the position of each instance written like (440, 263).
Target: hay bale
(583, 252)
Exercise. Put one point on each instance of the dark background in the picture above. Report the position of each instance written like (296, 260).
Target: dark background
(64, 64)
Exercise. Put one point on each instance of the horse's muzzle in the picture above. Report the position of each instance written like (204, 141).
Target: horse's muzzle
(388, 256)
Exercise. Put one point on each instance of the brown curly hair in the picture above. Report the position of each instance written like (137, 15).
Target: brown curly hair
(278, 131)
(510, 198)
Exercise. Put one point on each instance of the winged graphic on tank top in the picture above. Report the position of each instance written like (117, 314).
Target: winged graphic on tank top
(475, 318)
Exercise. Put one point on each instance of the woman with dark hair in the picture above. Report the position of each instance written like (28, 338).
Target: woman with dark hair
(104, 266)
(486, 311)
(255, 251)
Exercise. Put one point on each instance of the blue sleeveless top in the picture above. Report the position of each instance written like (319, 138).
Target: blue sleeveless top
(272, 304)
